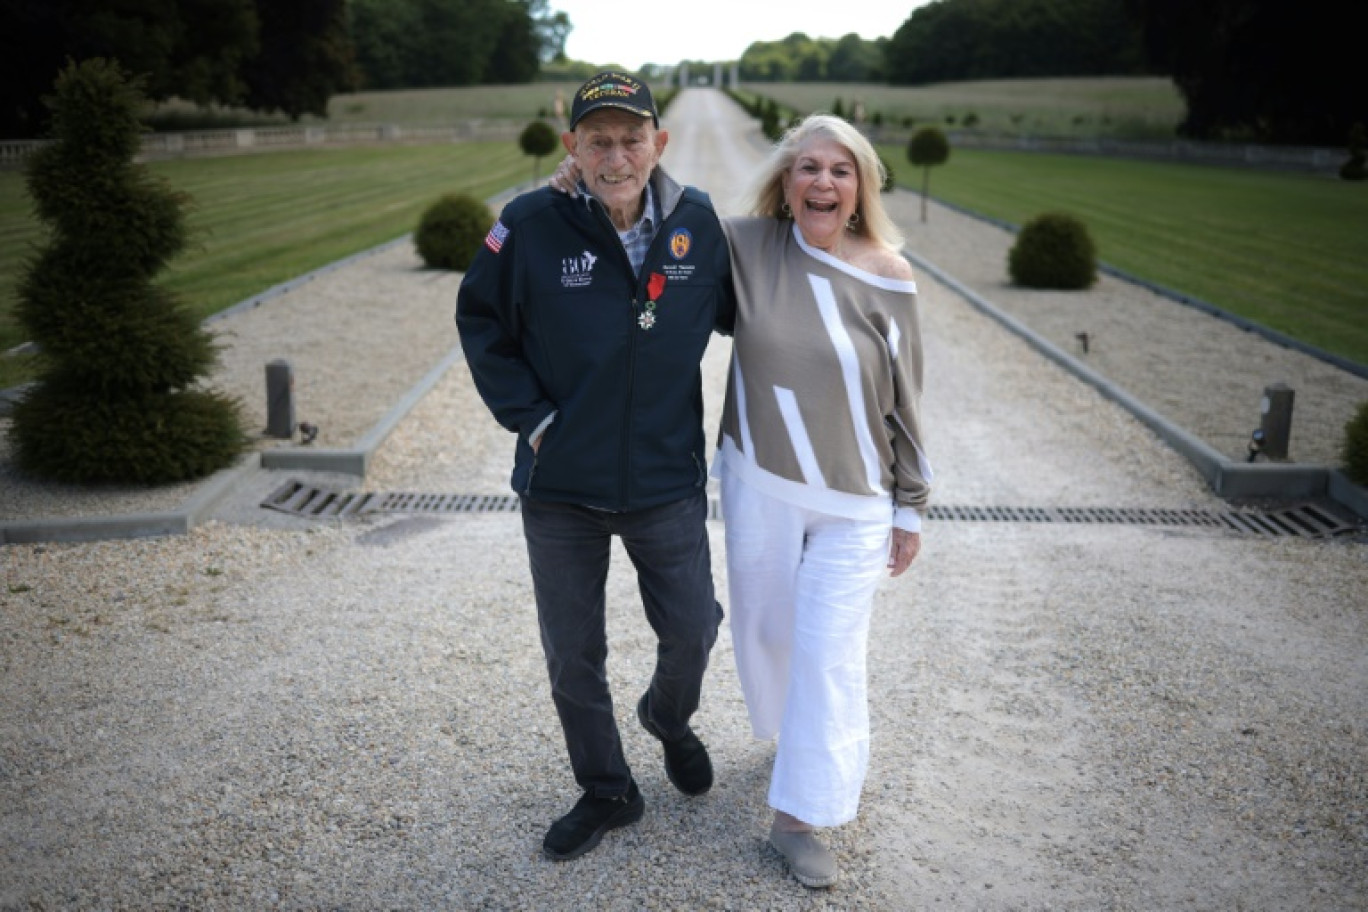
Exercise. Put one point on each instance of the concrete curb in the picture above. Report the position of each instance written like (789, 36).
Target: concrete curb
(133, 525)
(1227, 478)
(276, 291)
(356, 460)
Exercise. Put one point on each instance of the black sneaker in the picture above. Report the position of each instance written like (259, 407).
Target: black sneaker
(581, 829)
(686, 759)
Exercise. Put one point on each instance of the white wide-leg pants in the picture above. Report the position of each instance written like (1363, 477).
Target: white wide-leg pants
(802, 590)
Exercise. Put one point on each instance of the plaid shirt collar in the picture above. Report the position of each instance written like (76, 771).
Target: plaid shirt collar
(637, 239)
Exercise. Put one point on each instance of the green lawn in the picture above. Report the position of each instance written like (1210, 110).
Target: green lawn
(264, 219)
(1289, 251)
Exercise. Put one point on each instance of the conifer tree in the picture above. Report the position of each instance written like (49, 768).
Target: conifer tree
(118, 398)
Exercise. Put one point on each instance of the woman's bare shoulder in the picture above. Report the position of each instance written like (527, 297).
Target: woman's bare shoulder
(886, 263)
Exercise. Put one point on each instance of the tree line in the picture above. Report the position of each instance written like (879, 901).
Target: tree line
(1262, 70)
(953, 40)
(420, 43)
(799, 58)
(1248, 70)
(287, 56)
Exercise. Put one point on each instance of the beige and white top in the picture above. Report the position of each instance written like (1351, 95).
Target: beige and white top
(823, 405)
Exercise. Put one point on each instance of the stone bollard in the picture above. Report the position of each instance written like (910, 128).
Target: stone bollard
(280, 408)
(1275, 420)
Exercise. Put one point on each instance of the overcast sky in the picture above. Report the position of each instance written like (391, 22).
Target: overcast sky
(652, 31)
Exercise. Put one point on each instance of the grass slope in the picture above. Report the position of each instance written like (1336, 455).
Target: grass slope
(1289, 251)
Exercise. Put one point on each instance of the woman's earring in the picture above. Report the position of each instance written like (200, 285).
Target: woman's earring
(852, 221)
(788, 212)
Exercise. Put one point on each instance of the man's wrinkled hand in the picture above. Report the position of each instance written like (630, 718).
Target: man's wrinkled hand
(566, 177)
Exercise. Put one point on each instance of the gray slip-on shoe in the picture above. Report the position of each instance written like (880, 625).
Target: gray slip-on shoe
(812, 863)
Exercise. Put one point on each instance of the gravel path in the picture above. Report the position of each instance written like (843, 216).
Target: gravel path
(354, 715)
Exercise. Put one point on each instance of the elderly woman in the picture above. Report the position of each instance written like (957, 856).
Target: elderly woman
(821, 464)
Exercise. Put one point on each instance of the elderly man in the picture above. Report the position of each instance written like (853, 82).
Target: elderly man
(583, 321)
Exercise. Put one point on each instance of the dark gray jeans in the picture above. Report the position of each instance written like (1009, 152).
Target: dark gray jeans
(569, 547)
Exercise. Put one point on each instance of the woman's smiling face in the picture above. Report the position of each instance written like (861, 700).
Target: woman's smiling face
(823, 190)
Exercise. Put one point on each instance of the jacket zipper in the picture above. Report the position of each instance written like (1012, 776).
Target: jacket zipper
(634, 314)
(627, 399)
(625, 456)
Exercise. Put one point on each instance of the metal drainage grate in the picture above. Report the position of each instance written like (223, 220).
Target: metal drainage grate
(320, 503)
(1306, 521)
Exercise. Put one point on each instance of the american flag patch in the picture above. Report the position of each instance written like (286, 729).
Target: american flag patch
(494, 240)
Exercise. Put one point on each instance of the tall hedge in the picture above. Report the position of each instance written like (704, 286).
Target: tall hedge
(117, 398)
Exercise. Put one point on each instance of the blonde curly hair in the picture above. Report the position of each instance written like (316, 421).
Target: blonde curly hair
(767, 193)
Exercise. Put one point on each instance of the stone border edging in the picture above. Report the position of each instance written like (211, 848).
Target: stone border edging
(132, 525)
(276, 291)
(356, 460)
(1226, 477)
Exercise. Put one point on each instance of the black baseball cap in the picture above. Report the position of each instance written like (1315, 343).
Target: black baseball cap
(612, 89)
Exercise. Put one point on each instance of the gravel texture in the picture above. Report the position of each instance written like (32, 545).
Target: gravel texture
(274, 713)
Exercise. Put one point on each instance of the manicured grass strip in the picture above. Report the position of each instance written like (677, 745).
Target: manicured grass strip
(263, 219)
(1286, 250)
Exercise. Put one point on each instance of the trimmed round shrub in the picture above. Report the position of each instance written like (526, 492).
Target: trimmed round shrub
(1053, 250)
(452, 230)
(928, 146)
(538, 139)
(1356, 446)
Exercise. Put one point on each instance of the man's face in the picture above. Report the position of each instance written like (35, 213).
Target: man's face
(616, 152)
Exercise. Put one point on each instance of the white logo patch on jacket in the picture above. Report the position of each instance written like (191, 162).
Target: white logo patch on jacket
(576, 272)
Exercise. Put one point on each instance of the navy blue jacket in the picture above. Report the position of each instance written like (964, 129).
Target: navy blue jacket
(550, 316)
